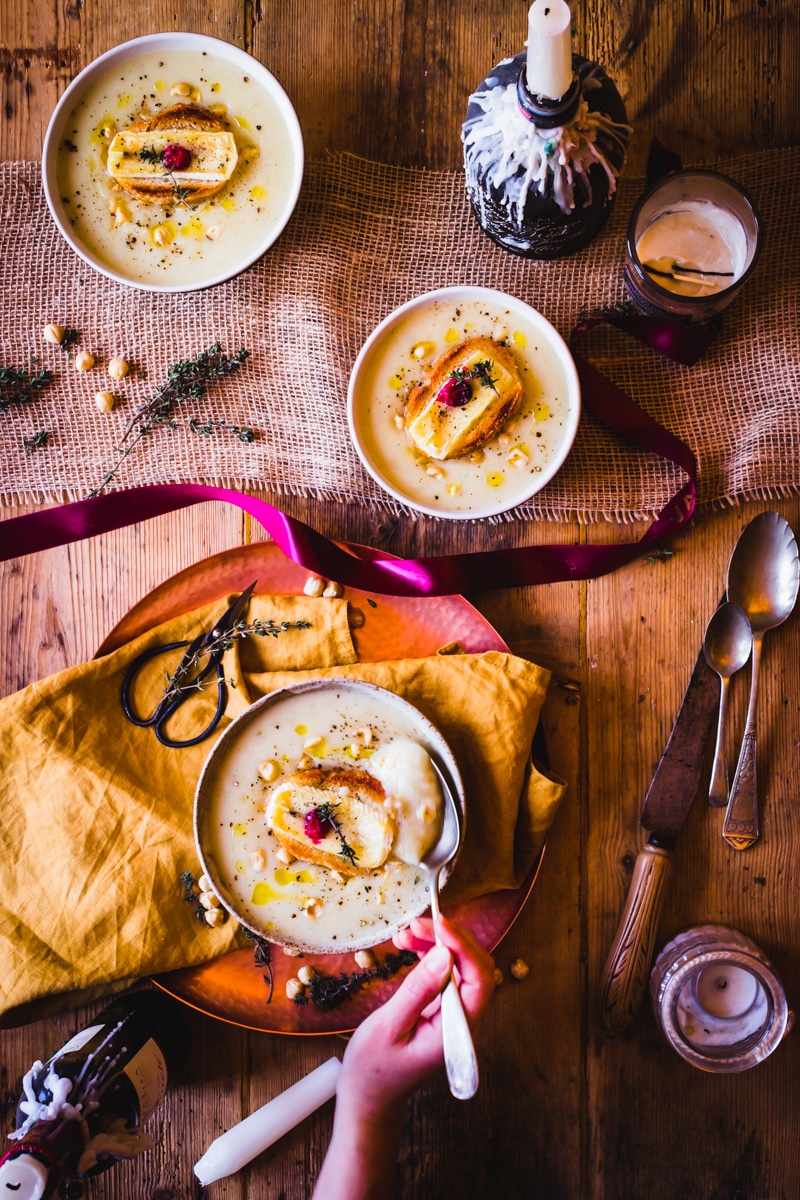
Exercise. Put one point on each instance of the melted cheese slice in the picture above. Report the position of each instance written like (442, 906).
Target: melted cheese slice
(439, 431)
(214, 156)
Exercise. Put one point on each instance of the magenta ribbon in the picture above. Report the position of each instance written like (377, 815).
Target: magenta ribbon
(373, 570)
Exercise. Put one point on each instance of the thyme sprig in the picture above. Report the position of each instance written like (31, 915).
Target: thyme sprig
(480, 371)
(156, 157)
(326, 991)
(36, 440)
(262, 957)
(18, 385)
(191, 896)
(210, 426)
(185, 680)
(326, 813)
(187, 380)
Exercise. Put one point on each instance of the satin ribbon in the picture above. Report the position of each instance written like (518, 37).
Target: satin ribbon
(372, 570)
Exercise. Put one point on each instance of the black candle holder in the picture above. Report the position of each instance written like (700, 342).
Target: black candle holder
(528, 195)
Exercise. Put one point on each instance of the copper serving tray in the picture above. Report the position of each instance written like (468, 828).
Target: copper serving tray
(233, 988)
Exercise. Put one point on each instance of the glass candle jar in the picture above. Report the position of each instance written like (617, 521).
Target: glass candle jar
(718, 999)
(693, 240)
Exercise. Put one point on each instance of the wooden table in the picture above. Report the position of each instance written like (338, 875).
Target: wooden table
(563, 1111)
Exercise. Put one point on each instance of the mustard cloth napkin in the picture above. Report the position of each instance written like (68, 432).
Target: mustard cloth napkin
(96, 816)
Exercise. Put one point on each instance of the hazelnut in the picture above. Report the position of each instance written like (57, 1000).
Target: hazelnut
(333, 590)
(356, 618)
(313, 744)
(306, 974)
(161, 235)
(290, 952)
(258, 860)
(84, 361)
(269, 770)
(294, 988)
(520, 969)
(204, 883)
(104, 401)
(365, 959)
(213, 232)
(181, 89)
(219, 110)
(118, 368)
(285, 856)
(314, 586)
(54, 333)
(215, 917)
(209, 900)
(477, 456)
(498, 977)
(305, 763)
(436, 472)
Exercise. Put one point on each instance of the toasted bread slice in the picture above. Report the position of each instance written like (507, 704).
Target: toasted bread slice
(356, 799)
(442, 432)
(134, 156)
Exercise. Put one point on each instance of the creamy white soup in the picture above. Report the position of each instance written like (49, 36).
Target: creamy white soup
(175, 243)
(304, 904)
(507, 467)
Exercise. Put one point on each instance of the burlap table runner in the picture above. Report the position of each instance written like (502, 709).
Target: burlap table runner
(365, 238)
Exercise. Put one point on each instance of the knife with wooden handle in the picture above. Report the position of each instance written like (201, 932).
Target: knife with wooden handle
(666, 806)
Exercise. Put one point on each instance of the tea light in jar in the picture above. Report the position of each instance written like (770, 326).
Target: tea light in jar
(693, 249)
(549, 61)
(718, 1000)
(726, 991)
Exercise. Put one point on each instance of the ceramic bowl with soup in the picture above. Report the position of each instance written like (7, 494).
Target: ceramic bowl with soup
(427, 402)
(173, 162)
(338, 772)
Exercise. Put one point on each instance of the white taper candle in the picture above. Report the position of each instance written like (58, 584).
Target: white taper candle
(233, 1150)
(549, 65)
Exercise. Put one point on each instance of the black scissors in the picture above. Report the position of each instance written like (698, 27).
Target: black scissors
(186, 688)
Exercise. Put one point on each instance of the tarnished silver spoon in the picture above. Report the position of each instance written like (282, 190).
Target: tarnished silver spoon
(727, 646)
(459, 1050)
(763, 576)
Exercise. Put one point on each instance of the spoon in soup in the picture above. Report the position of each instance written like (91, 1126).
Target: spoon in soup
(459, 1050)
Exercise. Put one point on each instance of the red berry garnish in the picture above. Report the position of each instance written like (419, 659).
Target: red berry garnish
(176, 158)
(455, 393)
(314, 826)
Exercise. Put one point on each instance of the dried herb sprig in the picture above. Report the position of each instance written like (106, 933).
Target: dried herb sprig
(480, 371)
(18, 385)
(184, 679)
(186, 380)
(210, 426)
(191, 896)
(326, 991)
(262, 957)
(36, 440)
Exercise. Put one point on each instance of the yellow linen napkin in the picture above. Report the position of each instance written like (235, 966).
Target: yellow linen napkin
(96, 815)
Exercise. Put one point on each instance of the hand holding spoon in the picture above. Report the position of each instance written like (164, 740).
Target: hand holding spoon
(763, 576)
(459, 1051)
(727, 646)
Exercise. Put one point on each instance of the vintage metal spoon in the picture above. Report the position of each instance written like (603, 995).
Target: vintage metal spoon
(763, 576)
(459, 1050)
(727, 646)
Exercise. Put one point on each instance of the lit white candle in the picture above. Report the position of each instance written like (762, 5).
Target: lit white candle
(726, 991)
(233, 1150)
(549, 65)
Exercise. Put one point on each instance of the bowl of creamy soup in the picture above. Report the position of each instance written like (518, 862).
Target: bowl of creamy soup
(464, 402)
(173, 162)
(315, 809)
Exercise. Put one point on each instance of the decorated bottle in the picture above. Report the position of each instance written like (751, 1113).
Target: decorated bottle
(544, 141)
(82, 1110)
